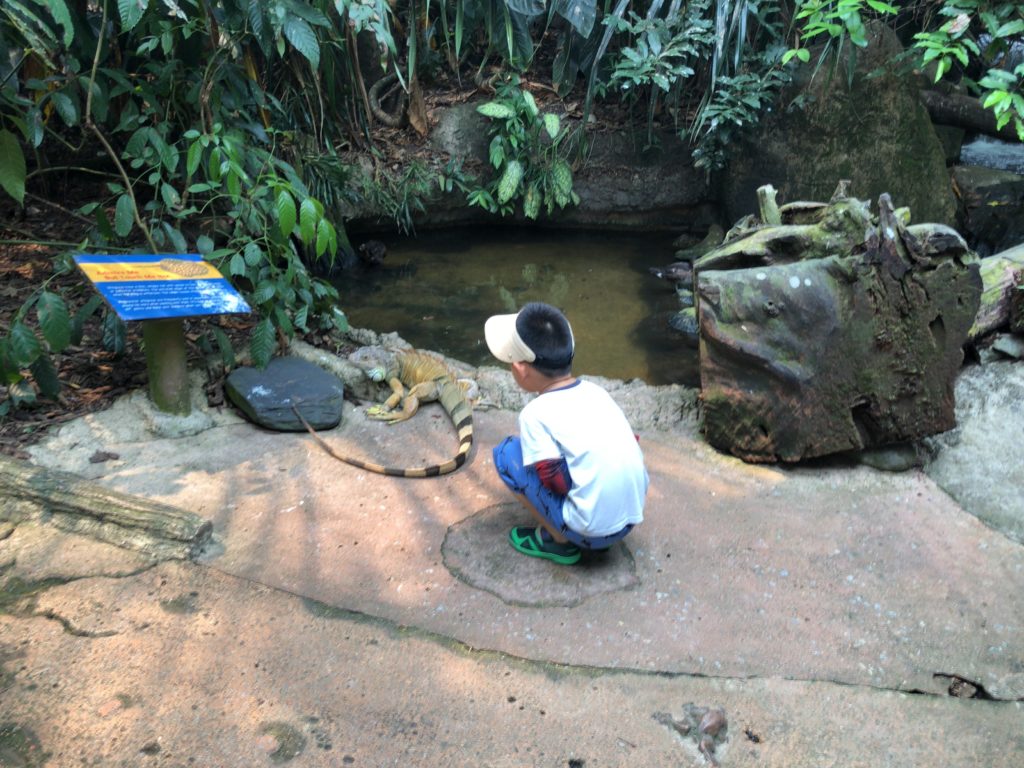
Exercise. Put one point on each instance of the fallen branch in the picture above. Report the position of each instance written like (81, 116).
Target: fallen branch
(28, 491)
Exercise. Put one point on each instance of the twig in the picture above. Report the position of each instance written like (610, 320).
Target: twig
(45, 243)
(59, 207)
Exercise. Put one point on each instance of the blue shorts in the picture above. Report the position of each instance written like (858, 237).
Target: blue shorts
(508, 460)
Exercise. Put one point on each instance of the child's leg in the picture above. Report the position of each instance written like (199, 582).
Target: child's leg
(544, 505)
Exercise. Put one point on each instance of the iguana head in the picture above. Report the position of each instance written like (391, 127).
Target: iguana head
(376, 362)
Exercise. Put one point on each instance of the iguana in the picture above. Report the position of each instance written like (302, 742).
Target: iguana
(414, 377)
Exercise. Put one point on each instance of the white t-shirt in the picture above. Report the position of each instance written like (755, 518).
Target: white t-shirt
(583, 424)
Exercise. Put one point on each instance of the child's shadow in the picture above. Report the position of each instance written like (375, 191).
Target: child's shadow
(476, 550)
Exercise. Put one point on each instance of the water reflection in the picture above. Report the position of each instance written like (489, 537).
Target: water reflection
(436, 291)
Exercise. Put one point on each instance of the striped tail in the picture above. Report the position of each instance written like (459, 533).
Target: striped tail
(454, 403)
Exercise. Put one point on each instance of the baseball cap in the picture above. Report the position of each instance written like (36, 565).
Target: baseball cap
(538, 333)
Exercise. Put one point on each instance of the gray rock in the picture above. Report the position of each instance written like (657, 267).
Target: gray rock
(875, 133)
(893, 458)
(266, 397)
(991, 207)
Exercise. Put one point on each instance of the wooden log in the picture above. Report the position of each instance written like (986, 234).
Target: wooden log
(1000, 274)
(769, 207)
(79, 505)
(964, 112)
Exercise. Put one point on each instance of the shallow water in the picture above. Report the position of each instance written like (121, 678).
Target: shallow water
(437, 289)
(994, 153)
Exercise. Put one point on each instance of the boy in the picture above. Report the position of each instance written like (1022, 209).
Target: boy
(576, 464)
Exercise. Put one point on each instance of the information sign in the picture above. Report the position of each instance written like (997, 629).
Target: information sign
(150, 287)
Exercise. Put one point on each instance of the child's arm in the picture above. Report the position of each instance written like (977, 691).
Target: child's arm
(554, 475)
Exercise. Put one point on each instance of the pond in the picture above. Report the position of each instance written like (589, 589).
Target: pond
(437, 289)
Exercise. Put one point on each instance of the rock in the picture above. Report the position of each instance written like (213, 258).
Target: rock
(979, 462)
(876, 133)
(678, 273)
(266, 397)
(1009, 345)
(991, 207)
(892, 458)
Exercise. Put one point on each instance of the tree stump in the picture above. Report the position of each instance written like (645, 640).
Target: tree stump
(806, 357)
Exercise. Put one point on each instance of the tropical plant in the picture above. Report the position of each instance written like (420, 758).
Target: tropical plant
(167, 92)
(959, 36)
(525, 151)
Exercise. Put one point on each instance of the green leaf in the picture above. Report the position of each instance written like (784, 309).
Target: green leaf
(54, 320)
(307, 221)
(83, 314)
(340, 319)
(509, 183)
(552, 124)
(59, 10)
(131, 12)
(323, 237)
(45, 375)
(581, 14)
(531, 104)
(194, 157)
(496, 109)
(237, 265)
(264, 292)
(204, 244)
(285, 212)
(12, 166)
(227, 352)
(531, 202)
(174, 235)
(24, 345)
(261, 345)
(302, 36)
(115, 334)
(253, 254)
(1010, 28)
(124, 216)
(169, 195)
(301, 318)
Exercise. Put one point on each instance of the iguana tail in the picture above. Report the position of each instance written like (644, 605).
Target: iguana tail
(454, 403)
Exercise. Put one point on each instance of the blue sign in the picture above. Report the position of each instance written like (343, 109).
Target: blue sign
(149, 287)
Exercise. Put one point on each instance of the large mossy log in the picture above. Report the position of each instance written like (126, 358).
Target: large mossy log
(1000, 276)
(73, 503)
(803, 355)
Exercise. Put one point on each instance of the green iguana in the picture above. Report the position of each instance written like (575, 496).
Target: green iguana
(414, 377)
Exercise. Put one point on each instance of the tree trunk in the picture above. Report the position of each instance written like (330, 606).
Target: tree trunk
(76, 504)
(964, 112)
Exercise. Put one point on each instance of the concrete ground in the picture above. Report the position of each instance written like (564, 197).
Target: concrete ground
(837, 615)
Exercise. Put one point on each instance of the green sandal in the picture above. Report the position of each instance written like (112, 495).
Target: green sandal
(528, 540)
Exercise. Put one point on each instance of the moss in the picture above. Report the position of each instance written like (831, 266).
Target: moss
(181, 603)
(20, 747)
(17, 596)
(290, 741)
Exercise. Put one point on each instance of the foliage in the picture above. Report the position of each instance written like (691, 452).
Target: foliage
(173, 97)
(225, 122)
(969, 32)
(400, 195)
(982, 30)
(525, 152)
(735, 108)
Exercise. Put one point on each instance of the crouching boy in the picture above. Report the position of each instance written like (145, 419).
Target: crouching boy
(576, 464)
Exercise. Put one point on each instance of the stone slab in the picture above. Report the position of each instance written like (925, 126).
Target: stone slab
(824, 573)
(254, 676)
